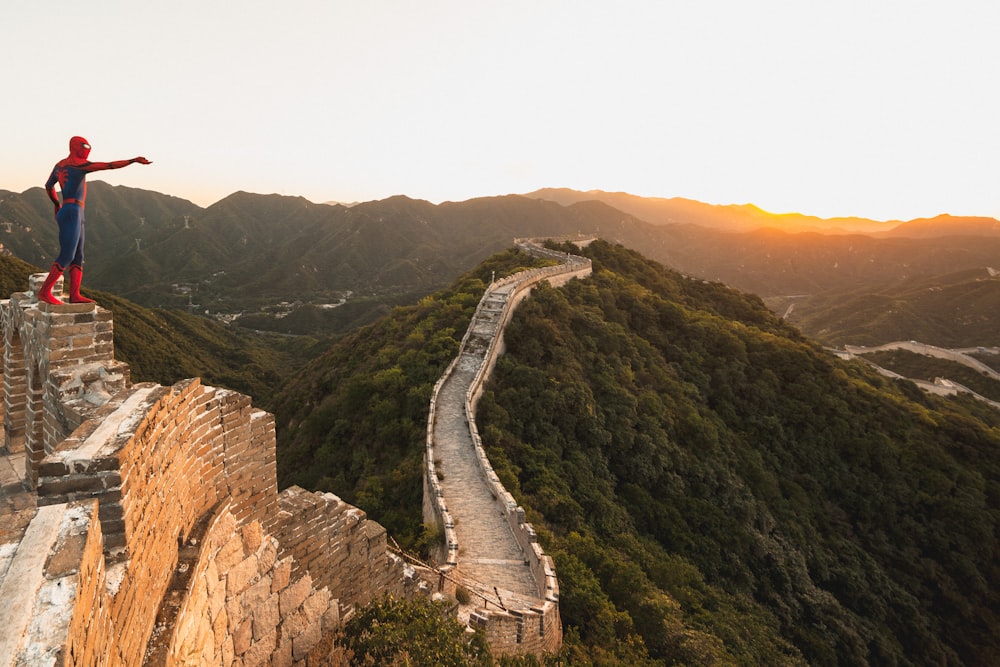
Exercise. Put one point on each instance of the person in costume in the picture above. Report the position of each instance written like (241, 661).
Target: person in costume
(71, 175)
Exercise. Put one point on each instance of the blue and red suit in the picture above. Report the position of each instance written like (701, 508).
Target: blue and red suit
(71, 175)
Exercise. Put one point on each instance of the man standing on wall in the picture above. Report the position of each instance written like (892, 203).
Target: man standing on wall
(71, 174)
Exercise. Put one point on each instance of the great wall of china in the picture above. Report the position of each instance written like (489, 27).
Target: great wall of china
(142, 524)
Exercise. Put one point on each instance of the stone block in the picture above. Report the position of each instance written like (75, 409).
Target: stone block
(252, 536)
(242, 637)
(220, 627)
(331, 618)
(295, 595)
(268, 554)
(281, 575)
(305, 642)
(282, 656)
(242, 576)
(228, 651)
(235, 613)
(69, 484)
(260, 651)
(52, 468)
(266, 617)
(316, 605)
(258, 592)
(293, 624)
(230, 554)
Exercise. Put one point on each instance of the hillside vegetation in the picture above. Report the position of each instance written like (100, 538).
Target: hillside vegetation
(354, 421)
(166, 346)
(714, 488)
(698, 462)
(957, 309)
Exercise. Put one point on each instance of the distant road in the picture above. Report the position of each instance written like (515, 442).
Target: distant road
(941, 386)
(960, 355)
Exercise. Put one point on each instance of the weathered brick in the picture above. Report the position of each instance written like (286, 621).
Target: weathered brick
(53, 486)
(52, 468)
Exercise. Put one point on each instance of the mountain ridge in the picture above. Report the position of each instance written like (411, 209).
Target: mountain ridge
(286, 264)
(749, 217)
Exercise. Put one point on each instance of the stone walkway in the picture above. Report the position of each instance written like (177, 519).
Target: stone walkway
(488, 553)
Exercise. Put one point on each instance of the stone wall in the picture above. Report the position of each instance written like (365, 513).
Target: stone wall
(537, 628)
(182, 551)
(245, 604)
(534, 627)
(37, 591)
(347, 553)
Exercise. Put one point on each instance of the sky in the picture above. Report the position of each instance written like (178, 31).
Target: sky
(879, 108)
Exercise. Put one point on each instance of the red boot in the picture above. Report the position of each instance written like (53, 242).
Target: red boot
(45, 291)
(75, 278)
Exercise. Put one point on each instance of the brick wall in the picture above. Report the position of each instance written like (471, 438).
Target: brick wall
(91, 638)
(175, 452)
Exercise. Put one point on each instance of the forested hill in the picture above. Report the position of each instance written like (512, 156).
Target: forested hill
(718, 485)
(714, 487)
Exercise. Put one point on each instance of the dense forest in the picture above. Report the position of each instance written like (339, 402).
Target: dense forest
(714, 487)
(699, 465)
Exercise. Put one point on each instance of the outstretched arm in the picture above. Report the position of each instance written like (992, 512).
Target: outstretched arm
(117, 164)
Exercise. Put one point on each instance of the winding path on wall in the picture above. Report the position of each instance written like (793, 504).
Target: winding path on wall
(480, 516)
(488, 552)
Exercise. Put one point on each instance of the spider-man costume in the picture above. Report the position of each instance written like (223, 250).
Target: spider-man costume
(71, 175)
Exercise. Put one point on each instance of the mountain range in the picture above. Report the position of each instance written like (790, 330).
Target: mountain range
(289, 265)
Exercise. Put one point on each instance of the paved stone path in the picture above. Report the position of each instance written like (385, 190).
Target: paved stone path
(488, 551)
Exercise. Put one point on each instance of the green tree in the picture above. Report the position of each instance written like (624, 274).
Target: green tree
(394, 632)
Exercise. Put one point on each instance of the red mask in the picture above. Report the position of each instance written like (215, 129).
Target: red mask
(79, 148)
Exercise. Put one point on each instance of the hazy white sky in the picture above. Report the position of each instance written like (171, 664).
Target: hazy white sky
(877, 108)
